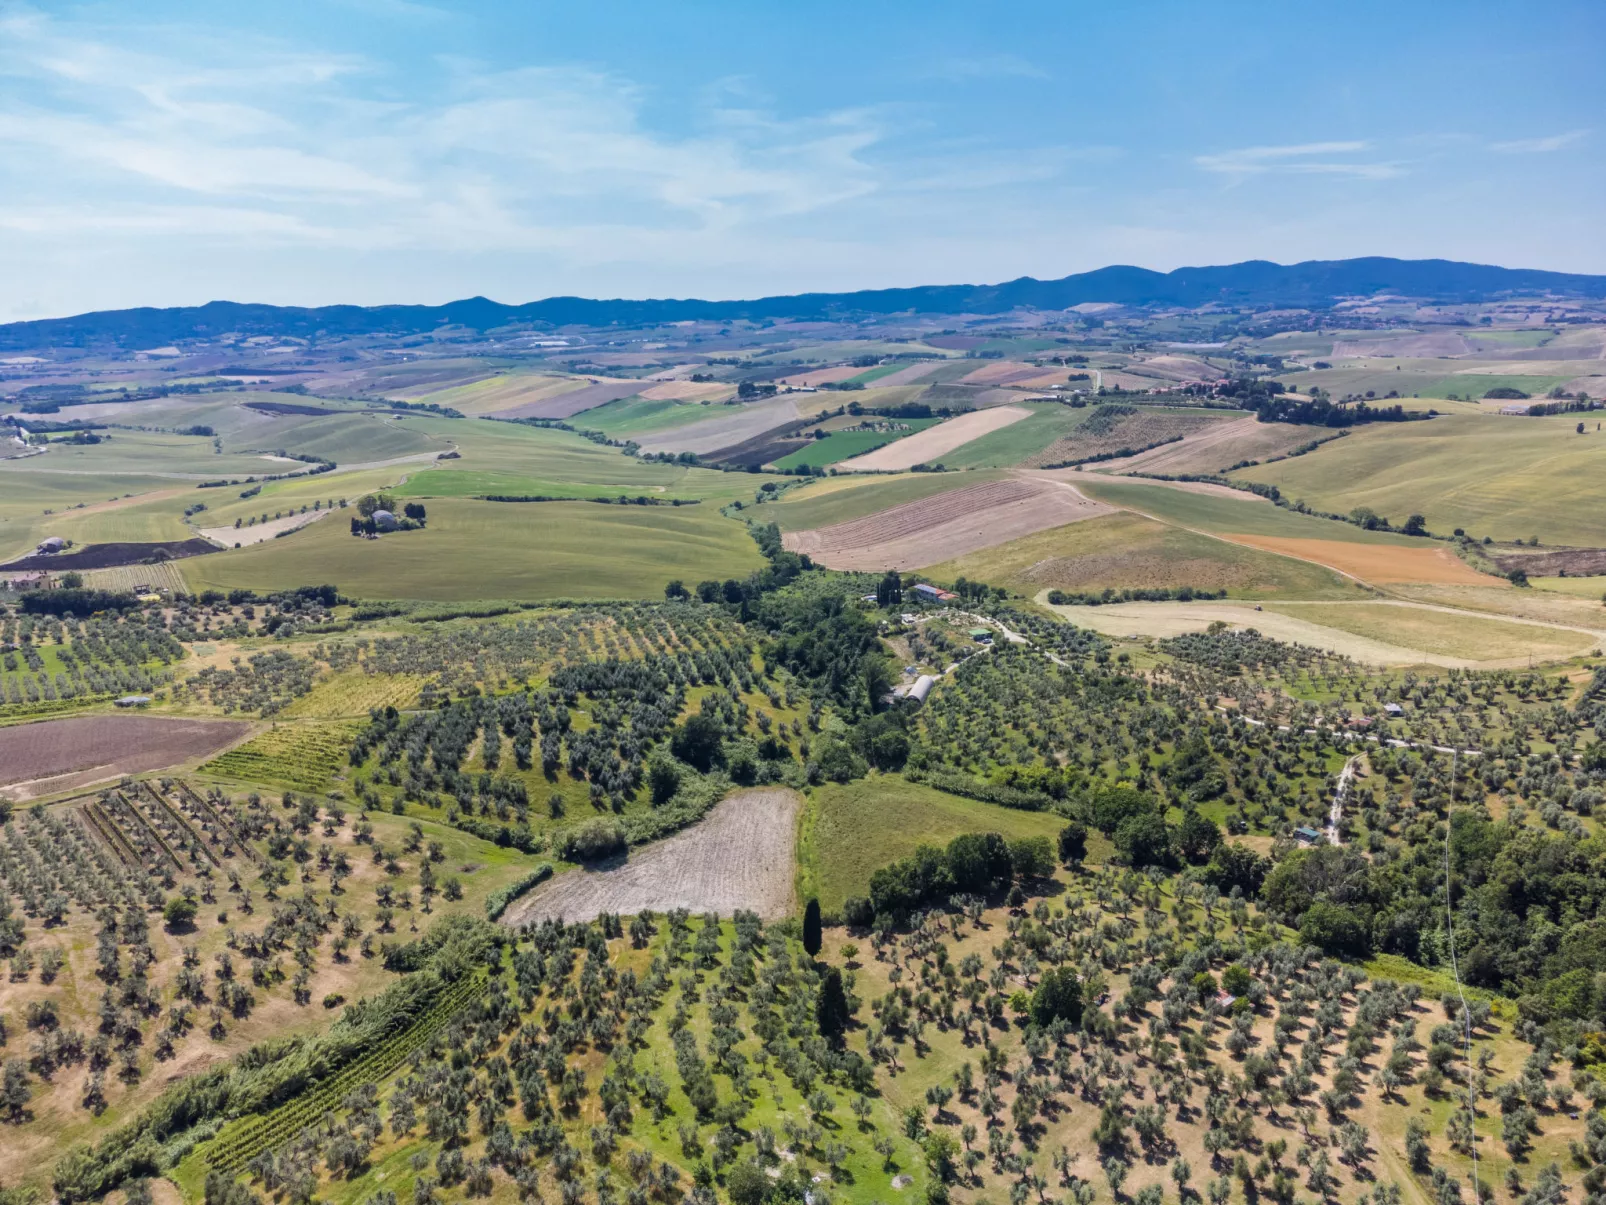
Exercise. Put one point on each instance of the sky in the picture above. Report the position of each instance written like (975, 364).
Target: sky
(313, 152)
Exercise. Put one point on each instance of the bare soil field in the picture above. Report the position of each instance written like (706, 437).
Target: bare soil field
(740, 856)
(929, 446)
(952, 524)
(820, 376)
(1214, 447)
(1002, 372)
(1130, 431)
(1207, 488)
(1377, 563)
(54, 755)
(1178, 368)
(726, 427)
(567, 405)
(678, 391)
(242, 536)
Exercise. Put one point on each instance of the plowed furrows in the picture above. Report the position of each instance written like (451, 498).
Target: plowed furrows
(912, 517)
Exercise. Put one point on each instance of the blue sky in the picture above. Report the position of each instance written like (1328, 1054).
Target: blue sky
(375, 151)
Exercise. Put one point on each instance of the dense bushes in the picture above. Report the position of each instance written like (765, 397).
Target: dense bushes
(972, 864)
(497, 902)
(589, 842)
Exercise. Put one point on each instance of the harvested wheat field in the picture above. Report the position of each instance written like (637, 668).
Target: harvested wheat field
(740, 856)
(56, 755)
(567, 405)
(820, 376)
(1006, 372)
(229, 537)
(725, 427)
(1374, 562)
(932, 444)
(1175, 619)
(929, 530)
(680, 391)
(909, 376)
(1216, 447)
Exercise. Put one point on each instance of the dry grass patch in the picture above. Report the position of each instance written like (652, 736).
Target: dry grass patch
(954, 523)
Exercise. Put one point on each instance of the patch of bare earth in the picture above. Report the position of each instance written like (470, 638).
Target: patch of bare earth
(57, 755)
(230, 536)
(949, 525)
(932, 444)
(740, 856)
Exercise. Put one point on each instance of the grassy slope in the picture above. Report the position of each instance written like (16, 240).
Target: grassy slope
(845, 498)
(852, 829)
(1445, 634)
(844, 445)
(499, 550)
(1489, 474)
(1213, 513)
(1130, 550)
(1012, 444)
(641, 416)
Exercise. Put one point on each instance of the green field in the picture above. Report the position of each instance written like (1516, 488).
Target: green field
(1012, 444)
(1508, 477)
(1222, 515)
(844, 445)
(641, 416)
(473, 550)
(838, 500)
(1475, 385)
(850, 830)
(1128, 550)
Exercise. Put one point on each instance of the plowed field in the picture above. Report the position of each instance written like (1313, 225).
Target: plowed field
(73, 752)
(1375, 562)
(740, 856)
(952, 524)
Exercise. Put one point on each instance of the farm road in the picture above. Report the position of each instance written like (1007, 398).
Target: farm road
(741, 855)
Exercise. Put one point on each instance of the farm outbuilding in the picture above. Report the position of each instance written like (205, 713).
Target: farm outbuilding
(51, 544)
(384, 520)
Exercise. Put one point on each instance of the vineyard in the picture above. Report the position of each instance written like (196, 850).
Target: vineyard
(303, 756)
(238, 1144)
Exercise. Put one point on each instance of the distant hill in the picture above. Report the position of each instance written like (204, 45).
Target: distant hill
(1315, 284)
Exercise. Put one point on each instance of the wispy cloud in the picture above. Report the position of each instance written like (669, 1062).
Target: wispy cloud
(1305, 158)
(1539, 146)
(301, 147)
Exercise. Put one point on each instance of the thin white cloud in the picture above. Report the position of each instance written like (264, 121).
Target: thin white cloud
(1299, 159)
(1539, 146)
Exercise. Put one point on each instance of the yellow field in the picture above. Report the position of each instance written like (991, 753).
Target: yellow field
(1444, 633)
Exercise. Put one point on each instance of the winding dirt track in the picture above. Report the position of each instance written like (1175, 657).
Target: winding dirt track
(740, 856)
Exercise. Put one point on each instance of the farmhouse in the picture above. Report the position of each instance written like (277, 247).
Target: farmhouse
(38, 580)
(931, 593)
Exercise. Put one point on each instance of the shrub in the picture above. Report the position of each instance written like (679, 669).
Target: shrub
(179, 913)
(595, 839)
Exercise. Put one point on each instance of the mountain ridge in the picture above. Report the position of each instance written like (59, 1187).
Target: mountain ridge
(1311, 284)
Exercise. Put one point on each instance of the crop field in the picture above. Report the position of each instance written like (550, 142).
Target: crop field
(1108, 430)
(635, 416)
(695, 868)
(725, 427)
(915, 534)
(492, 394)
(303, 756)
(1431, 563)
(852, 829)
(1219, 446)
(1223, 514)
(841, 446)
(90, 749)
(1448, 634)
(164, 576)
(1489, 474)
(825, 501)
(571, 402)
(1128, 550)
(542, 550)
(351, 694)
(1018, 442)
(933, 443)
